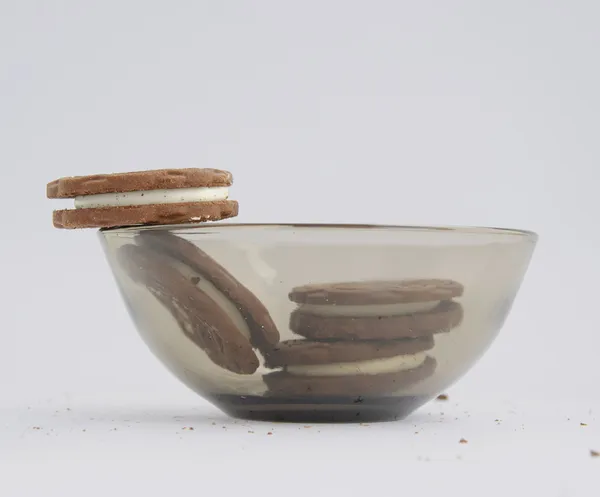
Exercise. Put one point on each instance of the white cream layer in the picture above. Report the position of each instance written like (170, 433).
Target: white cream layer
(368, 310)
(373, 366)
(220, 299)
(173, 196)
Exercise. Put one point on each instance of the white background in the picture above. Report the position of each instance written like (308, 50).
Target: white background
(431, 112)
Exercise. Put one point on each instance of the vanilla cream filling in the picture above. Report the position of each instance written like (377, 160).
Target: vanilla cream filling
(368, 310)
(173, 196)
(373, 366)
(220, 299)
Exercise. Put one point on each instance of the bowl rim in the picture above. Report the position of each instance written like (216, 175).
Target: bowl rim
(464, 229)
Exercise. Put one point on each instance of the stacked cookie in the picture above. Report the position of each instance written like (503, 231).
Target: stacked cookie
(161, 196)
(362, 338)
(358, 337)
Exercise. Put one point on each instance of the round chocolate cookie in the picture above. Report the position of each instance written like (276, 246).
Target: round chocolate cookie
(376, 292)
(131, 215)
(445, 316)
(163, 196)
(283, 384)
(263, 332)
(206, 322)
(307, 352)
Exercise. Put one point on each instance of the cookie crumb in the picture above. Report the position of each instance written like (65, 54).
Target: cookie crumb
(582, 424)
(463, 441)
(594, 453)
(364, 424)
(442, 396)
(37, 428)
(307, 426)
(269, 433)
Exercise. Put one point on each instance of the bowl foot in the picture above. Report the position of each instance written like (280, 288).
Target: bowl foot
(319, 409)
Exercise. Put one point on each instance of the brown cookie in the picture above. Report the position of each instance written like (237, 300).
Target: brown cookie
(200, 318)
(158, 179)
(263, 332)
(307, 352)
(110, 217)
(164, 196)
(376, 292)
(442, 318)
(282, 384)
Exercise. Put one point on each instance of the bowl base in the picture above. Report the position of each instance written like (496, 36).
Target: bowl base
(319, 409)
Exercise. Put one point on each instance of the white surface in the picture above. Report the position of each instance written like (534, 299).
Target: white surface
(435, 112)
(148, 446)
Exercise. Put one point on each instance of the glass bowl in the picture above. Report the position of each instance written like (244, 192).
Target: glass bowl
(312, 323)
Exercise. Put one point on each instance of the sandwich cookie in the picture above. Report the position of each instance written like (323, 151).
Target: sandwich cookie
(209, 276)
(352, 379)
(376, 310)
(348, 367)
(163, 196)
(208, 319)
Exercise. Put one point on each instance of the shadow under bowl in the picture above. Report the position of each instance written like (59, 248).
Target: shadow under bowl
(310, 323)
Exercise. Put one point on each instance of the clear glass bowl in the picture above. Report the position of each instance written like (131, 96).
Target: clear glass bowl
(390, 318)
